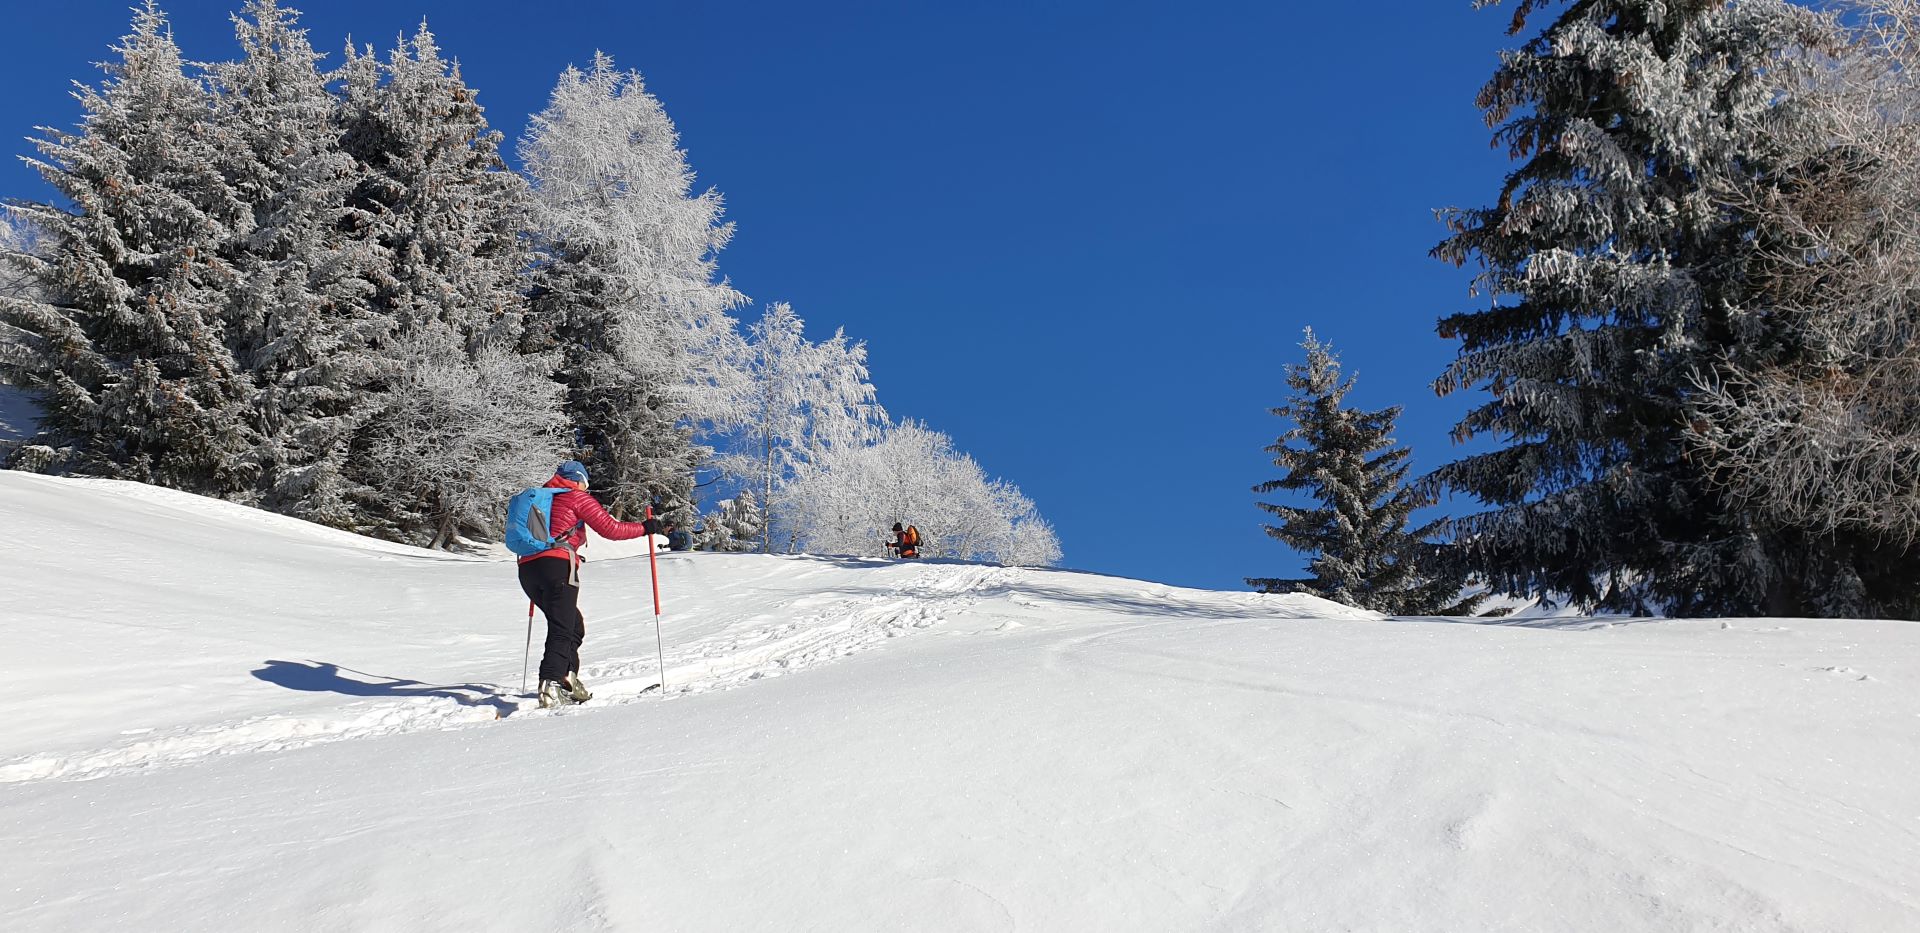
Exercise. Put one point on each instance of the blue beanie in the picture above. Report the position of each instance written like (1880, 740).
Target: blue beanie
(573, 470)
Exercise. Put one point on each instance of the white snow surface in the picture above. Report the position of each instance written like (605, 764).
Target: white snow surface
(223, 719)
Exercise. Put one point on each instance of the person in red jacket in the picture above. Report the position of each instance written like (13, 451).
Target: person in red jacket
(551, 579)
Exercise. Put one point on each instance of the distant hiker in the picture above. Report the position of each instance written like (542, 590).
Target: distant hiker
(551, 577)
(677, 539)
(905, 543)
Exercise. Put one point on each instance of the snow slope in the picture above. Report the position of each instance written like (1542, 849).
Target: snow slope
(221, 719)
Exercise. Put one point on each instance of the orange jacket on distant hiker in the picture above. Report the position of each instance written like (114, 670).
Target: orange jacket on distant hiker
(908, 543)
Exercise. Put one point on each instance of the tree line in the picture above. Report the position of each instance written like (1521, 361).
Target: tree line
(325, 293)
(1698, 347)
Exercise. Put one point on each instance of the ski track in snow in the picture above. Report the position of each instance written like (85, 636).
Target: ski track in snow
(827, 628)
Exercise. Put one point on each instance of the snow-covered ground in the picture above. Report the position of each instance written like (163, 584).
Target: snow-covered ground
(222, 719)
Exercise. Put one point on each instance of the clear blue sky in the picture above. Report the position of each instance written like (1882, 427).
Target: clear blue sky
(1080, 237)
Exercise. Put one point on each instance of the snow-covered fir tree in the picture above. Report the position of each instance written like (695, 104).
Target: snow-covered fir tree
(1614, 269)
(802, 401)
(435, 195)
(325, 293)
(844, 499)
(443, 216)
(626, 290)
(124, 339)
(299, 320)
(734, 525)
(1362, 551)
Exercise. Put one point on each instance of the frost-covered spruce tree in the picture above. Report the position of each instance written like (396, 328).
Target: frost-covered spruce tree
(299, 321)
(1613, 268)
(800, 402)
(442, 216)
(735, 525)
(1363, 553)
(434, 195)
(123, 340)
(625, 289)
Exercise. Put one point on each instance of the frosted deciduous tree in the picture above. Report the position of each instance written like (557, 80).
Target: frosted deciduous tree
(842, 500)
(801, 402)
(1822, 434)
(1362, 551)
(626, 290)
(123, 337)
(459, 434)
(1613, 269)
(1032, 542)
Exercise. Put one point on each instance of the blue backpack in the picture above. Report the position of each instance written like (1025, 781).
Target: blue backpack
(529, 518)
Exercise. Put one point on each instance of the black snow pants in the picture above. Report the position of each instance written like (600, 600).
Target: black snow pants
(545, 581)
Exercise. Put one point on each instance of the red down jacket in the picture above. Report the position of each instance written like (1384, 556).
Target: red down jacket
(574, 506)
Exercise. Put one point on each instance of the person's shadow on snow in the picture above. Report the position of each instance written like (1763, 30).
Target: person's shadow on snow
(321, 677)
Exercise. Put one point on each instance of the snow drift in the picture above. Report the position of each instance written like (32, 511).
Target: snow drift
(219, 718)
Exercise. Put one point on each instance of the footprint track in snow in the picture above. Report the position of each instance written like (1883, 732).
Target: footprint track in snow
(831, 627)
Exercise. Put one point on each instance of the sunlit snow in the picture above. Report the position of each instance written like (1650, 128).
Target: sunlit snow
(219, 718)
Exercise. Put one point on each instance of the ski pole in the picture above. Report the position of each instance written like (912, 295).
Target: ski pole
(527, 656)
(653, 573)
